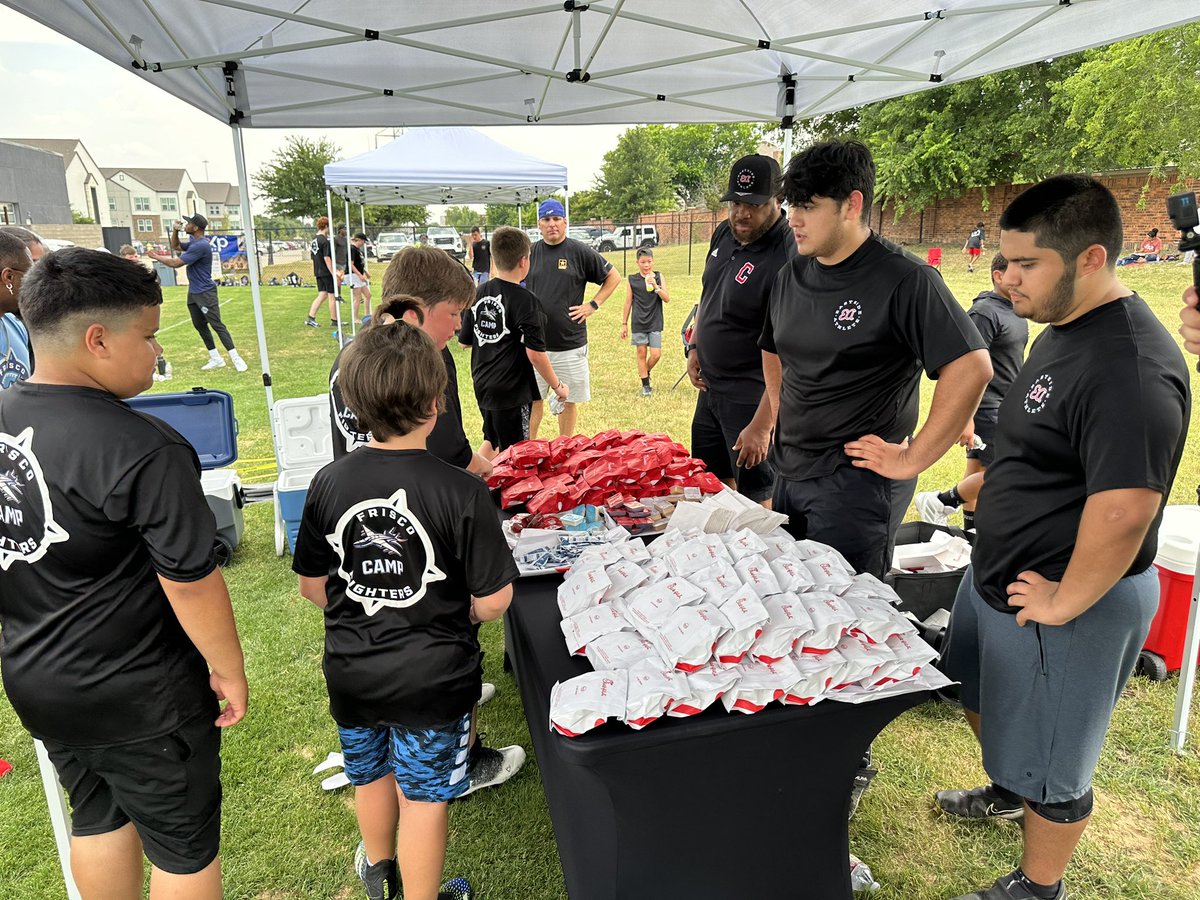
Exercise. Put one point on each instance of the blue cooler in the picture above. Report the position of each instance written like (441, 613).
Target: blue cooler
(303, 445)
(205, 419)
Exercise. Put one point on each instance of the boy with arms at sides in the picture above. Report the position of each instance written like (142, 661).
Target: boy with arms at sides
(118, 635)
(645, 293)
(405, 554)
(504, 330)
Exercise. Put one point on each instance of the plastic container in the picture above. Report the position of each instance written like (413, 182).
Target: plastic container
(303, 443)
(223, 491)
(1178, 544)
(923, 594)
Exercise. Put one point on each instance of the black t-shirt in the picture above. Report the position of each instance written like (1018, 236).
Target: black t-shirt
(356, 258)
(733, 303)
(405, 540)
(1102, 404)
(481, 256)
(557, 276)
(1005, 335)
(503, 323)
(852, 339)
(647, 313)
(975, 238)
(318, 248)
(97, 501)
(447, 441)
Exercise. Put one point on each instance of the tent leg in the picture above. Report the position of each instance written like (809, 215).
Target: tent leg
(787, 146)
(239, 153)
(337, 287)
(1187, 673)
(567, 207)
(362, 221)
(58, 816)
(353, 312)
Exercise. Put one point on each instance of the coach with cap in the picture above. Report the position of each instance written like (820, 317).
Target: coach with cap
(731, 428)
(559, 267)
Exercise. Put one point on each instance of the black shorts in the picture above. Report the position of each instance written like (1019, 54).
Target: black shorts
(325, 284)
(716, 425)
(505, 427)
(852, 510)
(169, 787)
(985, 430)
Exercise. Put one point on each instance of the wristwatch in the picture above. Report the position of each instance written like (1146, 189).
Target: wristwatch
(593, 304)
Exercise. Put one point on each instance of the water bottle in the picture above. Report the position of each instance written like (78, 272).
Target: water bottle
(167, 371)
(861, 878)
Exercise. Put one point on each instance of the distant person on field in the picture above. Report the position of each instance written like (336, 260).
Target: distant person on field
(405, 555)
(203, 304)
(323, 269)
(162, 369)
(645, 294)
(1149, 251)
(974, 246)
(479, 256)
(360, 278)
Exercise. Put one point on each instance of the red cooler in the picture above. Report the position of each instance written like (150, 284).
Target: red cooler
(1178, 543)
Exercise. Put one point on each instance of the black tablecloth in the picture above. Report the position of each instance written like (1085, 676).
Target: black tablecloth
(719, 805)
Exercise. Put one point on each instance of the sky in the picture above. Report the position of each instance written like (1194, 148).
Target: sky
(67, 91)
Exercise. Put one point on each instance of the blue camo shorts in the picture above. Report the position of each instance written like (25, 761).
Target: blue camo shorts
(430, 764)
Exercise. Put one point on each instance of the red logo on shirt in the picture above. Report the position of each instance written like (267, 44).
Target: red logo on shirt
(1039, 394)
(744, 273)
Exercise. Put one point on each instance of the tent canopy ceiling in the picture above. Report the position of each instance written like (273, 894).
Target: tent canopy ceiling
(328, 63)
(444, 165)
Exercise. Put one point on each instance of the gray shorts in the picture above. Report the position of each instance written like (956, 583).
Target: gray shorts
(647, 339)
(1045, 694)
(571, 367)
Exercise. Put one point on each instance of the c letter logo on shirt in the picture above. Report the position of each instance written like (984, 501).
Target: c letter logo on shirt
(1039, 394)
(744, 273)
(27, 526)
(847, 315)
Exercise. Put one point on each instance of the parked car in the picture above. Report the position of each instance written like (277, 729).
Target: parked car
(390, 243)
(53, 244)
(446, 238)
(580, 234)
(535, 234)
(627, 237)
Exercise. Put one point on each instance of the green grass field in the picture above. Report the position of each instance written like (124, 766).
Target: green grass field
(284, 838)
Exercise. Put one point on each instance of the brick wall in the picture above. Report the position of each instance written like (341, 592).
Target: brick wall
(89, 236)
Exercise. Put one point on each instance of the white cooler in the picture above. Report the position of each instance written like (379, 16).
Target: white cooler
(303, 443)
(223, 491)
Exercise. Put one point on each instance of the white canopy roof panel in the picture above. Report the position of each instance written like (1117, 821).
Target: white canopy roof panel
(329, 63)
(444, 165)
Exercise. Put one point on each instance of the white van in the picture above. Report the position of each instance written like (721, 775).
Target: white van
(627, 237)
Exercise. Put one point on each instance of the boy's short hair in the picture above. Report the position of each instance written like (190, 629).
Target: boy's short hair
(391, 376)
(999, 263)
(509, 246)
(322, 222)
(1067, 214)
(126, 250)
(429, 274)
(396, 307)
(476, 230)
(71, 289)
(359, 236)
(645, 251)
(831, 169)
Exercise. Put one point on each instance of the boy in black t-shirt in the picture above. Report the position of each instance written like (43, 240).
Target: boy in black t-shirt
(973, 246)
(406, 556)
(504, 331)
(360, 278)
(112, 607)
(645, 293)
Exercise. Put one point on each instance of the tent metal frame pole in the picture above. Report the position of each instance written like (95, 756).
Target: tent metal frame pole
(59, 817)
(239, 154)
(1187, 672)
(337, 282)
(362, 221)
(212, 88)
(787, 146)
(350, 256)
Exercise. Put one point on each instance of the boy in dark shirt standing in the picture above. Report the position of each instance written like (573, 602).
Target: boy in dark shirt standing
(645, 293)
(405, 555)
(504, 330)
(973, 246)
(112, 607)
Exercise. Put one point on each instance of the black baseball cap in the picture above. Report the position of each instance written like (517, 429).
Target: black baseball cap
(754, 179)
(198, 220)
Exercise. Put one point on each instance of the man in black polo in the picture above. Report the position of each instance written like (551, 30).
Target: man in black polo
(731, 427)
(850, 324)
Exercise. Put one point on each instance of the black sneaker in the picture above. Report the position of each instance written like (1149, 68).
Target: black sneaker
(1011, 887)
(862, 780)
(488, 767)
(979, 803)
(647, 390)
(455, 889)
(381, 880)
(311, 322)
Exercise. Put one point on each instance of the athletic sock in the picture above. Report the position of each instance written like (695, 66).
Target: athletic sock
(214, 354)
(646, 381)
(968, 521)
(233, 354)
(951, 498)
(1045, 891)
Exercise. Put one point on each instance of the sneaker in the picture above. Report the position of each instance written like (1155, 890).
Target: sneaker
(489, 767)
(217, 363)
(311, 322)
(647, 390)
(933, 510)
(1011, 887)
(158, 377)
(487, 693)
(455, 889)
(239, 364)
(862, 780)
(978, 803)
(381, 880)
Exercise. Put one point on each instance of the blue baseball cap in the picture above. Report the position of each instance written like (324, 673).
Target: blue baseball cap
(551, 207)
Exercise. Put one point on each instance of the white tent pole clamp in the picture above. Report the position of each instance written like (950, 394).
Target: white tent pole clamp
(337, 287)
(1187, 672)
(349, 272)
(58, 816)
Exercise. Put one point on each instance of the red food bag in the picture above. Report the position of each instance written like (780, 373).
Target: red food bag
(606, 439)
(530, 453)
(519, 492)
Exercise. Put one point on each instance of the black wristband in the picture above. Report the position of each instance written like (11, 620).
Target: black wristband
(593, 304)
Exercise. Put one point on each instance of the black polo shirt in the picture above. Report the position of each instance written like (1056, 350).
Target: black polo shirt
(852, 339)
(557, 276)
(1005, 334)
(736, 284)
(1102, 404)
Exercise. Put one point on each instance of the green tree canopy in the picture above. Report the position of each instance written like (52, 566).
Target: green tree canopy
(636, 175)
(586, 205)
(293, 182)
(506, 213)
(462, 217)
(701, 156)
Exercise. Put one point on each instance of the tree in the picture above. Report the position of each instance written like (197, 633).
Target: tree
(506, 213)
(293, 182)
(461, 217)
(636, 175)
(586, 205)
(391, 216)
(700, 157)
(80, 219)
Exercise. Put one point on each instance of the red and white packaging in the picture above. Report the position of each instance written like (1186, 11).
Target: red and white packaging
(760, 683)
(756, 572)
(868, 584)
(691, 556)
(720, 582)
(831, 618)
(816, 676)
(686, 639)
(877, 619)
(807, 550)
(863, 660)
(599, 554)
(912, 654)
(828, 573)
(587, 701)
(788, 625)
(634, 550)
(520, 491)
(624, 577)
(620, 650)
(656, 570)
(652, 690)
(792, 574)
(582, 628)
(705, 687)
(779, 546)
(744, 543)
(746, 615)
(654, 605)
(583, 587)
(670, 538)
(529, 453)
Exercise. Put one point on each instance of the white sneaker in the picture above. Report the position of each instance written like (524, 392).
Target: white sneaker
(217, 363)
(933, 510)
(239, 364)
(490, 767)
(487, 693)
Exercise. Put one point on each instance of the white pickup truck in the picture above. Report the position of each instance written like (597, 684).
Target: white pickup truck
(627, 237)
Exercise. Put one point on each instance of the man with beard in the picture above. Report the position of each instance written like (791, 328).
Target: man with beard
(732, 424)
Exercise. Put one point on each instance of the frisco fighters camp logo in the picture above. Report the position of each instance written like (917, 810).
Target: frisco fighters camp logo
(27, 526)
(1039, 394)
(386, 555)
(12, 370)
(344, 417)
(488, 313)
(847, 315)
